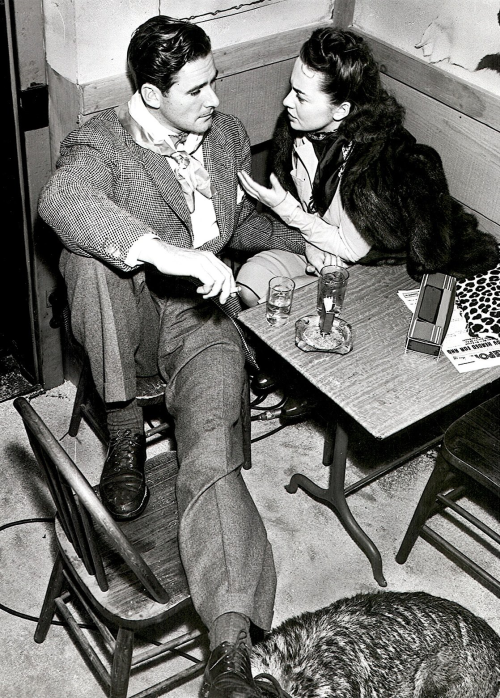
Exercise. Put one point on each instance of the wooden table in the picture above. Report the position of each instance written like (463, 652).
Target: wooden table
(377, 384)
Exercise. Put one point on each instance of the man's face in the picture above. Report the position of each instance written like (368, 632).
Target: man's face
(190, 103)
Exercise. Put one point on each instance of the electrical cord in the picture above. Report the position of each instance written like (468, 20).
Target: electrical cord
(84, 626)
(19, 614)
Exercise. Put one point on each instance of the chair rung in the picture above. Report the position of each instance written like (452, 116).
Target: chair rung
(165, 647)
(469, 517)
(162, 686)
(431, 536)
(158, 429)
(82, 641)
(106, 634)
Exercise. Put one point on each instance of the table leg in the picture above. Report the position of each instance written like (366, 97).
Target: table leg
(334, 456)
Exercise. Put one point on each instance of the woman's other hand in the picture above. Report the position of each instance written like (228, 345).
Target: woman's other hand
(317, 259)
(270, 197)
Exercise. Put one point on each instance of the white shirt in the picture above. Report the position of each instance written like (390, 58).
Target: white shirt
(203, 218)
(334, 232)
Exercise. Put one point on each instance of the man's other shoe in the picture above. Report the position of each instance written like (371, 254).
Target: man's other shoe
(296, 409)
(263, 382)
(123, 485)
(228, 673)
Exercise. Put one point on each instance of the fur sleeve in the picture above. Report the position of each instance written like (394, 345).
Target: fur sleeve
(442, 236)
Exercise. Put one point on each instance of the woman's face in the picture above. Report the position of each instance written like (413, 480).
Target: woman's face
(308, 107)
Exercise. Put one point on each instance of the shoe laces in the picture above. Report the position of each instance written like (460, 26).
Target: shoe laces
(123, 448)
(236, 657)
(270, 686)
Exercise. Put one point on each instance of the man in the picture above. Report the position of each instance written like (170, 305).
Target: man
(144, 199)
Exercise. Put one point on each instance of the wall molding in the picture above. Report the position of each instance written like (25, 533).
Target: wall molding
(231, 60)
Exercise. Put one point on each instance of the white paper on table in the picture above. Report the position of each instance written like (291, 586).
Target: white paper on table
(466, 353)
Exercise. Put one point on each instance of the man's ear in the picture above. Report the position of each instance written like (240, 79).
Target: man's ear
(151, 95)
(341, 111)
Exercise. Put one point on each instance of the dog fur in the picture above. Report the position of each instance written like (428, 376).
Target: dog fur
(384, 645)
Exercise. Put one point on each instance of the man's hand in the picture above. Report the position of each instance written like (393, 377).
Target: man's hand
(317, 259)
(215, 276)
(270, 197)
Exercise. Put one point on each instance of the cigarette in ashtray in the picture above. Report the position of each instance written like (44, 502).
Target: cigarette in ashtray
(327, 316)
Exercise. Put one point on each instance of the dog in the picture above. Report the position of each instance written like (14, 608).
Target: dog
(381, 645)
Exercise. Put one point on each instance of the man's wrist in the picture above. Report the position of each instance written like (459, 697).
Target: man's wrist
(143, 250)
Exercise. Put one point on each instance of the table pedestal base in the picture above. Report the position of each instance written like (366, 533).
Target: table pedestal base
(335, 456)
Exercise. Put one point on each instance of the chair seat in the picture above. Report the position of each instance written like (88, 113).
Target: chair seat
(154, 534)
(472, 444)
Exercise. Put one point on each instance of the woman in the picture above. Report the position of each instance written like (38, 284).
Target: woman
(352, 179)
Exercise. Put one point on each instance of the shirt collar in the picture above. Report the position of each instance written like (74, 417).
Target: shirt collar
(155, 130)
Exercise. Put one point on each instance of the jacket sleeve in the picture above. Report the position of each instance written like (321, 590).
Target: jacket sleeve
(77, 201)
(427, 211)
(256, 231)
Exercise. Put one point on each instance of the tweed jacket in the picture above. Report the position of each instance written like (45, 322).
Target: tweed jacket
(108, 191)
(395, 192)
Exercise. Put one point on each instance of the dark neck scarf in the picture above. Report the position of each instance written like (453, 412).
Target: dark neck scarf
(329, 151)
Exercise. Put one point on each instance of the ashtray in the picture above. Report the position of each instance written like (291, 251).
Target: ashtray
(309, 338)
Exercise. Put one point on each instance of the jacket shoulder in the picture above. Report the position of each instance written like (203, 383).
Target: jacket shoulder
(228, 126)
(101, 126)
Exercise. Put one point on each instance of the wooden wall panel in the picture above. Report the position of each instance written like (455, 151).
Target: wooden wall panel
(474, 101)
(256, 97)
(470, 150)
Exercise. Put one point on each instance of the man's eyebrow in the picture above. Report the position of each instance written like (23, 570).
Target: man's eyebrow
(207, 82)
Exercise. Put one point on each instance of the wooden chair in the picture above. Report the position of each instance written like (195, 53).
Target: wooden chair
(469, 457)
(127, 576)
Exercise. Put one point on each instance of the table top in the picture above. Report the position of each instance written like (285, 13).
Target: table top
(384, 388)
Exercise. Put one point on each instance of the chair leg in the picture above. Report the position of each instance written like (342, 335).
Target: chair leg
(54, 589)
(76, 415)
(434, 485)
(88, 406)
(246, 424)
(122, 661)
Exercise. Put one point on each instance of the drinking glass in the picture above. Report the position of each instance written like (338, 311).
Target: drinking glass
(279, 300)
(332, 284)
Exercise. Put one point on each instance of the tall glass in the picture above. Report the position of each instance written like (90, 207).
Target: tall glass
(332, 284)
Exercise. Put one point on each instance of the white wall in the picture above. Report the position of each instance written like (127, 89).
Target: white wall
(458, 33)
(87, 40)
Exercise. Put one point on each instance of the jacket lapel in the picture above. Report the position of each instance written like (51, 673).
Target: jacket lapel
(220, 167)
(163, 178)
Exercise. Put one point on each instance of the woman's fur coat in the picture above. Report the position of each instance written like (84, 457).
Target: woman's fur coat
(396, 194)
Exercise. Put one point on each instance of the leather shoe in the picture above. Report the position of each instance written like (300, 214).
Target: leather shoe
(296, 409)
(263, 382)
(123, 485)
(228, 673)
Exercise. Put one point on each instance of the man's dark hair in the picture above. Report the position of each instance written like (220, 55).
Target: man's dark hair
(349, 71)
(161, 46)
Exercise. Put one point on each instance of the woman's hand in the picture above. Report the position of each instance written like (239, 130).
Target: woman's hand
(270, 197)
(317, 259)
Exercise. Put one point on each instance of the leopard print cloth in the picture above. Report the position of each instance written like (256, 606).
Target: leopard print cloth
(479, 300)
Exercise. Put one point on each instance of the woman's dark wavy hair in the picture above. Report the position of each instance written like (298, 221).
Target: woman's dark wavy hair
(161, 47)
(350, 74)
(347, 66)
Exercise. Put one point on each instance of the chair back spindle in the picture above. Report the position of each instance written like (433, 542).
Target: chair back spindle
(79, 508)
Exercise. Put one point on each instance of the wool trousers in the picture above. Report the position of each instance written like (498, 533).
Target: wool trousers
(119, 320)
